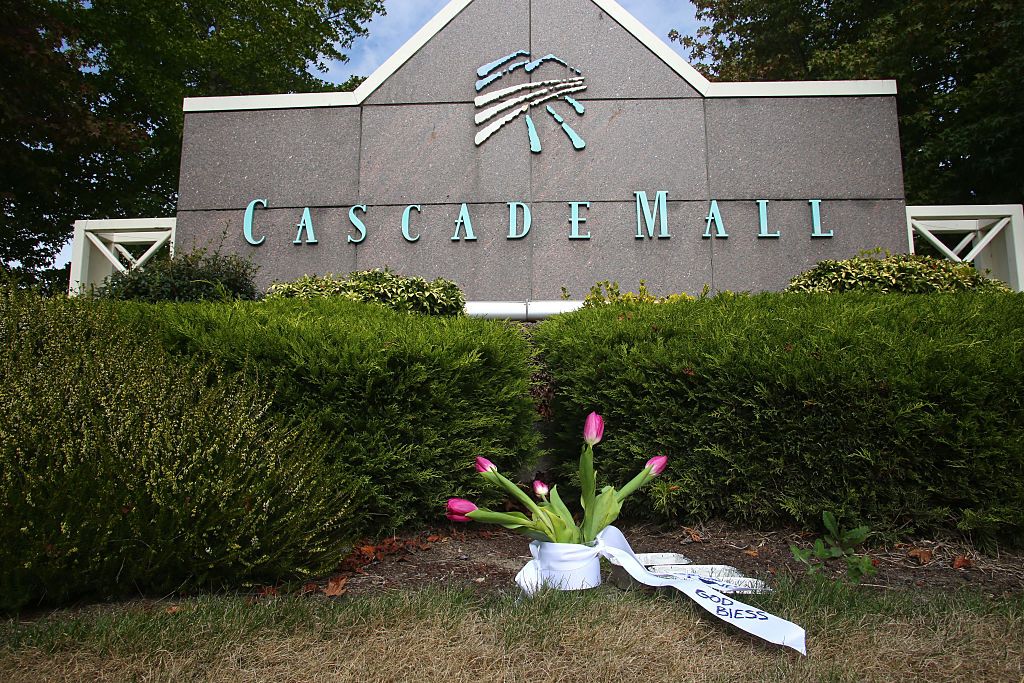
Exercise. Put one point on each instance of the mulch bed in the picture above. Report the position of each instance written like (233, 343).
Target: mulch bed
(487, 560)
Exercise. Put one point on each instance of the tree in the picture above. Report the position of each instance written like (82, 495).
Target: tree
(91, 118)
(959, 65)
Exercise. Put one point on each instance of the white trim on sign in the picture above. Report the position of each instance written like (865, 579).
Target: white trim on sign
(612, 8)
(802, 89)
(288, 101)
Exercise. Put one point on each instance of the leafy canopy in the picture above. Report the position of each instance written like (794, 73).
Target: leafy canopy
(91, 118)
(959, 65)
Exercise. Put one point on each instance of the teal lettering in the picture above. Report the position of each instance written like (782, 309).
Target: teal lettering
(405, 222)
(715, 216)
(576, 220)
(247, 222)
(816, 220)
(647, 216)
(762, 215)
(306, 224)
(357, 223)
(513, 220)
(464, 222)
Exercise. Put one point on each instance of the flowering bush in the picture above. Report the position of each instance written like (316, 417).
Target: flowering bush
(124, 470)
(550, 519)
(894, 273)
(406, 294)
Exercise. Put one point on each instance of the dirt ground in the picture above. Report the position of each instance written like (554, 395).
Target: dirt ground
(487, 560)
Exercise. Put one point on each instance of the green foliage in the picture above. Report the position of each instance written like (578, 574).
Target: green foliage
(904, 273)
(606, 292)
(837, 544)
(961, 115)
(92, 121)
(904, 413)
(409, 294)
(200, 275)
(125, 470)
(409, 401)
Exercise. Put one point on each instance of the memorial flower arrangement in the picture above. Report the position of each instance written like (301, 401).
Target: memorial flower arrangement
(550, 520)
(566, 555)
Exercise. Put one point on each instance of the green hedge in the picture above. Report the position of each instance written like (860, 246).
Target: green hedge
(406, 402)
(123, 469)
(903, 412)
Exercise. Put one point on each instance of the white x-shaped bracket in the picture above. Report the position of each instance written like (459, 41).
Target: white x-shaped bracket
(991, 237)
(100, 248)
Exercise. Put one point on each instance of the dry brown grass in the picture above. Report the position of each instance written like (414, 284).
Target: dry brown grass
(608, 638)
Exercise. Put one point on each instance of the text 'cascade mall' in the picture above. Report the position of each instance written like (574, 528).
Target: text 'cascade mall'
(522, 146)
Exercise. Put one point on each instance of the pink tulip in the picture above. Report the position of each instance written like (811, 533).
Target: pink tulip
(540, 489)
(485, 465)
(658, 464)
(458, 508)
(593, 429)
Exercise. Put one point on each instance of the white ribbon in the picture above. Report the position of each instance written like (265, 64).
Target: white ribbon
(568, 566)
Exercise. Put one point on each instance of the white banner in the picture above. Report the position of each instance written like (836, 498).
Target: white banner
(568, 566)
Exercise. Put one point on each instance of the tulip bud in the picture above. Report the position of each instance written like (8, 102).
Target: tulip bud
(657, 464)
(485, 465)
(593, 429)
(458, 508)
(540, 489)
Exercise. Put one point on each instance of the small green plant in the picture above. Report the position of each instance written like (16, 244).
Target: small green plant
(878, 271)
(836, 544)
(607, 292)
(199, 275)
(385, 287)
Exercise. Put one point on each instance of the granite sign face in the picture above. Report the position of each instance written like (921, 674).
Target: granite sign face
(522, 146)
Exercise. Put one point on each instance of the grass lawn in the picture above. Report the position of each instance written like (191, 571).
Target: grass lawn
(854, 634)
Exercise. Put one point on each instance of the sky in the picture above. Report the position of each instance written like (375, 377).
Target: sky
(405, 17)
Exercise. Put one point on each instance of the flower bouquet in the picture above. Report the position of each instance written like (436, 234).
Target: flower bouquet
(566, 554)
(550, 520)
(564, 550)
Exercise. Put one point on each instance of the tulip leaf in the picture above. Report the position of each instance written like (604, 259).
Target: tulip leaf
(560, 533)
(510, 520)
(566, 516)
(606, 510)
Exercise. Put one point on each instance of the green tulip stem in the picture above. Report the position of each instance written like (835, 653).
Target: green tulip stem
(633, 484)
(518, 493)
(588, 478)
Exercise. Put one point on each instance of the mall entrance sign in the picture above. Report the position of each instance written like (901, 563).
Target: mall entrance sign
(522, 146)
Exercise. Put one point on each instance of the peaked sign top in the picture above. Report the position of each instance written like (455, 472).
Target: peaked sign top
(610, 7)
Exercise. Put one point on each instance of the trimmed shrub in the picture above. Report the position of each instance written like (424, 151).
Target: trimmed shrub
(905, 413)
(408, 294)
(124, 470)
(409, 401)
(894, 273)
(200, 275)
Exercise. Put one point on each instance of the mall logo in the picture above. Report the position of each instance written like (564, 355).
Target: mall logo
(498, 108)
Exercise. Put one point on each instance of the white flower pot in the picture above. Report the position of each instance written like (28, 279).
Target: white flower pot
(567, 566)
